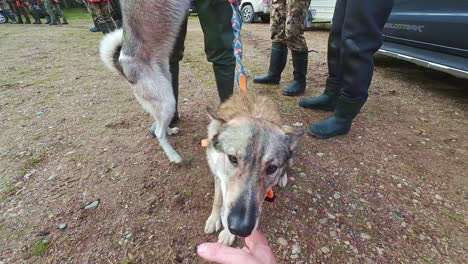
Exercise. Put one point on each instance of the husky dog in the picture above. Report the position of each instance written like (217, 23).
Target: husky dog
(140, 52)
(248, 153)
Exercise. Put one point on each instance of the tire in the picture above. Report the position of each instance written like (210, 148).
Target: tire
(265, 18)
(248, 14)
(3, 18)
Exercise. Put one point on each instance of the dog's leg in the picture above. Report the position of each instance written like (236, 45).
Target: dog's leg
(154, 93)
(213, 224)
(226, 238)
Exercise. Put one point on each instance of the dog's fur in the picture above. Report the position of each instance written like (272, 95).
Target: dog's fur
(246, 142)
(140, 52)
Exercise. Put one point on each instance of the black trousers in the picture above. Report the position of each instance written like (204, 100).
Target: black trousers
(355, 36)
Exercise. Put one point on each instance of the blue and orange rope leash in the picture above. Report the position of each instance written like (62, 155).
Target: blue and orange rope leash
(236, 21)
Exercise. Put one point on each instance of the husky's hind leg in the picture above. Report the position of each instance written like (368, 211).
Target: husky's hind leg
(154, 92)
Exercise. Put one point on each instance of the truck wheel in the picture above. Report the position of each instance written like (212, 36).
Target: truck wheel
(3, 18)
(248, 14)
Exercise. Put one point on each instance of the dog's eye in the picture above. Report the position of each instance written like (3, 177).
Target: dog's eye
(271, 169)
(233, 159)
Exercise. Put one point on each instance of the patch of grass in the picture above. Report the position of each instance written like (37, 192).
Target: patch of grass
(54, 74)
(428, 261)
(77, 13)
(457, 218)
(40, 248)
(188, 194)
(37, 137)
(40, 81)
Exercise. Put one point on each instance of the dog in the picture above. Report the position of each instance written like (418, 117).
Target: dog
(140, 52)
(248, 152)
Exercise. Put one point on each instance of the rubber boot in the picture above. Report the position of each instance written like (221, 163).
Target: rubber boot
(48, 20)
(224, 75)
(95, 28)
(28, 21)
(11, 16)
(340, 122)
(325, 101)
(104, 27)
(300, 60)
(64, 21)
(278, 57)
(174, 69)
(20, 20)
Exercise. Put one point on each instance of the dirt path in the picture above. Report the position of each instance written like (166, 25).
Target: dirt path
(392, 191)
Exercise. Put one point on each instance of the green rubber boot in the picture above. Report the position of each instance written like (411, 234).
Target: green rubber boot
(224, 75)
(278, 57)
(340, 122)
(300, 61)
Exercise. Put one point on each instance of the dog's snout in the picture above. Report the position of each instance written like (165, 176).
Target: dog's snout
(242, 219)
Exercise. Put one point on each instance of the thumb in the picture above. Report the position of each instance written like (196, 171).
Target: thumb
(219, 253)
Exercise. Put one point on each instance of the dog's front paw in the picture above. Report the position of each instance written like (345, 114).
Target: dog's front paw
(172, 131)
(226, 238)
(213, 224)
(174, 158)
(283, 180)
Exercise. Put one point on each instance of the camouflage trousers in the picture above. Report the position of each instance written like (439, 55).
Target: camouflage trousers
(100, 12)
(287, 23)
(49, 5)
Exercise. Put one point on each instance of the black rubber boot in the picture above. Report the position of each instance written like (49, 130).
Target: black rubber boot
(104, 27)
(300, 60)
(340, 122)
(326, 101)
(278, 57)
(28, 21)
(174, 69)
(224, 75)
(48, 20)
(111, 25)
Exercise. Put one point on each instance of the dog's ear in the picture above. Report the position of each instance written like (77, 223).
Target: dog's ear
(213, 115)
(293, 136)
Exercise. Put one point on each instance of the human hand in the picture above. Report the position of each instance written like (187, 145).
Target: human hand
(256, 251)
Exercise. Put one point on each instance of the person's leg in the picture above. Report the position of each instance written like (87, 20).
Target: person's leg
(53, 17)
(24, 12)
(296, 14)
(60, 12)
(361, 38)
(279, 50)
(327, 100)
(106, 10)
(17, 11)
(215, 19)
(99, 10)
(30, 7)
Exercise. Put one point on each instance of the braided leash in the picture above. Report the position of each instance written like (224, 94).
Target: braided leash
(236, 21)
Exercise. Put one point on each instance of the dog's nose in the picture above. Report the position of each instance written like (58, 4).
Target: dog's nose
(242, 220)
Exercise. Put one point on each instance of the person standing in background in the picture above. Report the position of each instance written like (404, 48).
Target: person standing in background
(53, 7)
(8, 11)
(287, 31)
(355, 36)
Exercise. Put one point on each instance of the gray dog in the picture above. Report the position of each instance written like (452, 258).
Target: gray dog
(249, 150)
(140, 52)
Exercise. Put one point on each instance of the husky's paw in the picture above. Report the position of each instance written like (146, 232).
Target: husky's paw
(172, 131)
(174, 158)
(213, 224)
(226, 238)
(283, 180)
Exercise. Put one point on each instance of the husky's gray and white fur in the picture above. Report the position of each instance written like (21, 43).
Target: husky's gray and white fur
(249, 151)
(140, 52)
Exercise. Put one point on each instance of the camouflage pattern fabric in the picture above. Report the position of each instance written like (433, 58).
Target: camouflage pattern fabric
(100, 12)
(49, 5)
(287, 23)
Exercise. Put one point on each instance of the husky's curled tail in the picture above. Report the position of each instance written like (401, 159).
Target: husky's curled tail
(140, 52)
